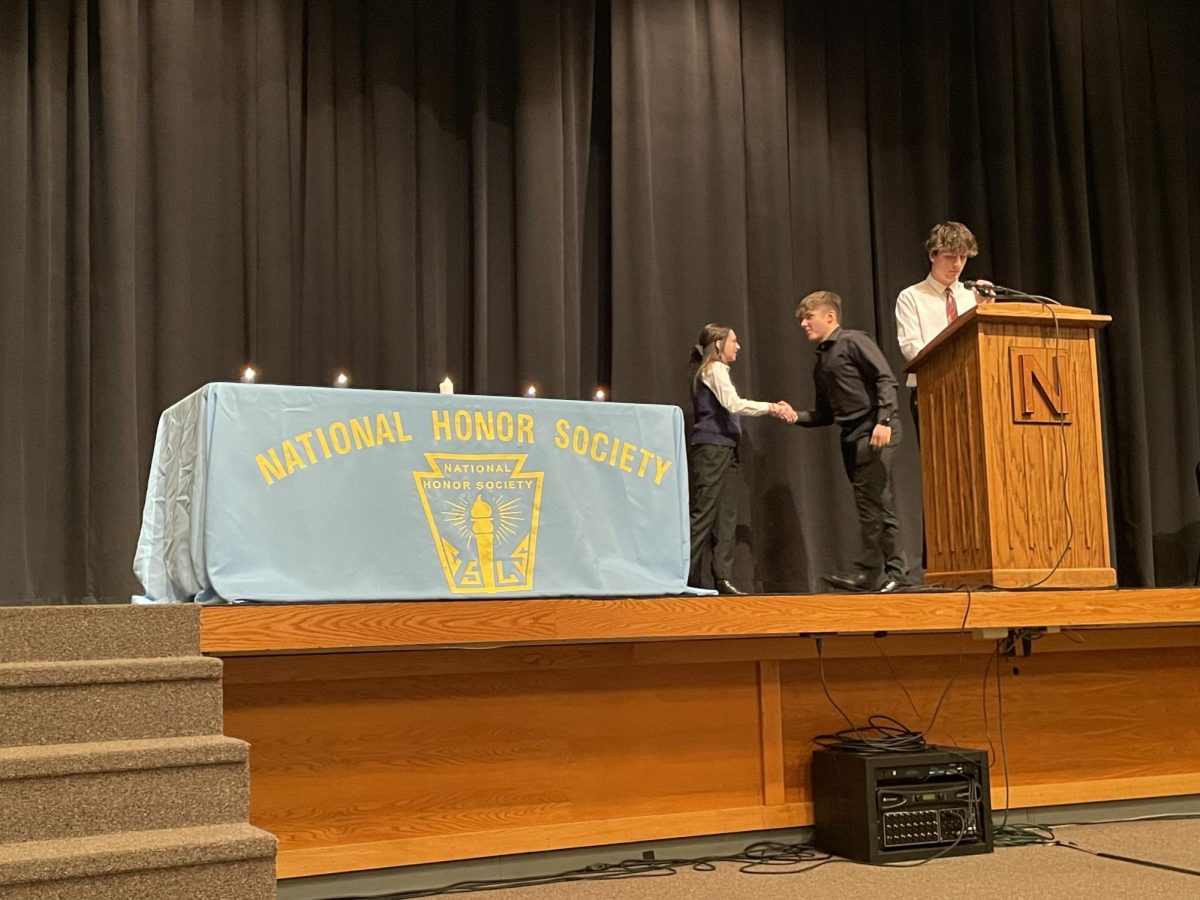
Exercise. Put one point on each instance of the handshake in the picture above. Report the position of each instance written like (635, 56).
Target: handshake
(781, 409)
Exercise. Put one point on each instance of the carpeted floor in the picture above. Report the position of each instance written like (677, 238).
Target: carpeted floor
(1030, 872)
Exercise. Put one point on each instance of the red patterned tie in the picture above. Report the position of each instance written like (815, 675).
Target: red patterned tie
(951, 306)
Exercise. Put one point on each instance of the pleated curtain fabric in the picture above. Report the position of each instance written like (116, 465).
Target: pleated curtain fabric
(566, 191)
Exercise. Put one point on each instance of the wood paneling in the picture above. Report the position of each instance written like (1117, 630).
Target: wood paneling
(1025, 579)
(1033, 512)
(954, 463)
(1005, 500)
(1106, 716)
(349, 666)
(388, 757)
(770, 704)
(323, 859)
(229, 630)
(363, 758)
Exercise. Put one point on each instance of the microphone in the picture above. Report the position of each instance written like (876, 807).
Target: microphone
(991, 289)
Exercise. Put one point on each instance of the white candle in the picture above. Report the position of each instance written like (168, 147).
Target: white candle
(446, 386)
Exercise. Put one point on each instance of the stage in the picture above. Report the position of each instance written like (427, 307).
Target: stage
(398, 733)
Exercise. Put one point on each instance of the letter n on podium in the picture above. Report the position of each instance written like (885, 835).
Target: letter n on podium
(1040, 391)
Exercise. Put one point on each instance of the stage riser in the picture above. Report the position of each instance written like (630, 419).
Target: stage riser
(301, 628)
(405, 757)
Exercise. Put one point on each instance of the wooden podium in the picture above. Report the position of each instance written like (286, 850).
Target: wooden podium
(1007, 394)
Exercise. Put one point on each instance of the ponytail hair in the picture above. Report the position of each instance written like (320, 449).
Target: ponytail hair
(706, 349)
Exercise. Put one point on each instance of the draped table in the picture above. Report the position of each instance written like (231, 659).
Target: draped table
(281, 493)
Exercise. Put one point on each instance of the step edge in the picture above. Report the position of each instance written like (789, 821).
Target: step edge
(19, 675)
(96, 855)
(143, 754)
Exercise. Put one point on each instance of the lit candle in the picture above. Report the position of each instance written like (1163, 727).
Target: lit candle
(531, 391)
(600, 395)
(248, 375)
(446, 386)
(342, 380)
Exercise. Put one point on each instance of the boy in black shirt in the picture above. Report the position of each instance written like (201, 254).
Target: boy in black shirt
(857, 391)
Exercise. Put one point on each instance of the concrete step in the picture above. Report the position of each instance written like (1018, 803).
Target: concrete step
(49, 633)
(216, 862)
(75, 790)
(111, 700)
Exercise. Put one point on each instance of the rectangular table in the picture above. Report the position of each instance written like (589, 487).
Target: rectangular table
(280, 493)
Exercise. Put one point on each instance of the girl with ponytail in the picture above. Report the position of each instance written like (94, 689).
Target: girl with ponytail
(715, 473)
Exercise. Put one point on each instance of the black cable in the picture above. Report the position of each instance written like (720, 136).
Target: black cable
(1162, 817)
(1129, 859)
(962, 628)
(825, 684)
(1023, 835)
(996, 835)
(881, 734)
(760, 858)
(1016, 834)
(896, 678)
(1066, 457)
(994, 656)
(890, 737)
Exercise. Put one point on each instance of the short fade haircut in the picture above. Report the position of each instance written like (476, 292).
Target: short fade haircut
(820, 300)
(952, 236)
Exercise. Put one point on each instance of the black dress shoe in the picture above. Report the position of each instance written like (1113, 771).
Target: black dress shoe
(856, 582)
(891, 584)
(725, 586)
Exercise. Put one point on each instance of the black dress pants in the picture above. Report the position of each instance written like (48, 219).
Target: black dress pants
(916, 412)
(716, 475)
(915, 409)
(870, 474)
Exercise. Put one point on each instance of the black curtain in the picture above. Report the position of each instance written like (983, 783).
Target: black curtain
(565, 192)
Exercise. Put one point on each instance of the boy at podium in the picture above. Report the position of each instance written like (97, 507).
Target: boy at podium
(857, 391)
(924, 309)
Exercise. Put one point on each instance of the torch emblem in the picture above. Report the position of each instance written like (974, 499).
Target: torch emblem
(482, 511)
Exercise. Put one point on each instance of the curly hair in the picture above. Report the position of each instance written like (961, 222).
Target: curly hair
(952, 236)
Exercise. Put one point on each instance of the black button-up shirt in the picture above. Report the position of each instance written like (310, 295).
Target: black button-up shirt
(855, 385)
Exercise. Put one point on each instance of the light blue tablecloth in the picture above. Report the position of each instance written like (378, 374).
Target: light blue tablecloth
(276, 493)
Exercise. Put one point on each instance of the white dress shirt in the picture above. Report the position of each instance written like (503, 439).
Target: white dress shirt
(716, 376)
(921, 315)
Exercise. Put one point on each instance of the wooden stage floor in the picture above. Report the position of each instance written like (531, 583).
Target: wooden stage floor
(388, 734)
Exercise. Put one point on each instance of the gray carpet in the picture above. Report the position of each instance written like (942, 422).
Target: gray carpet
(116, 782)
(1032, 872)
